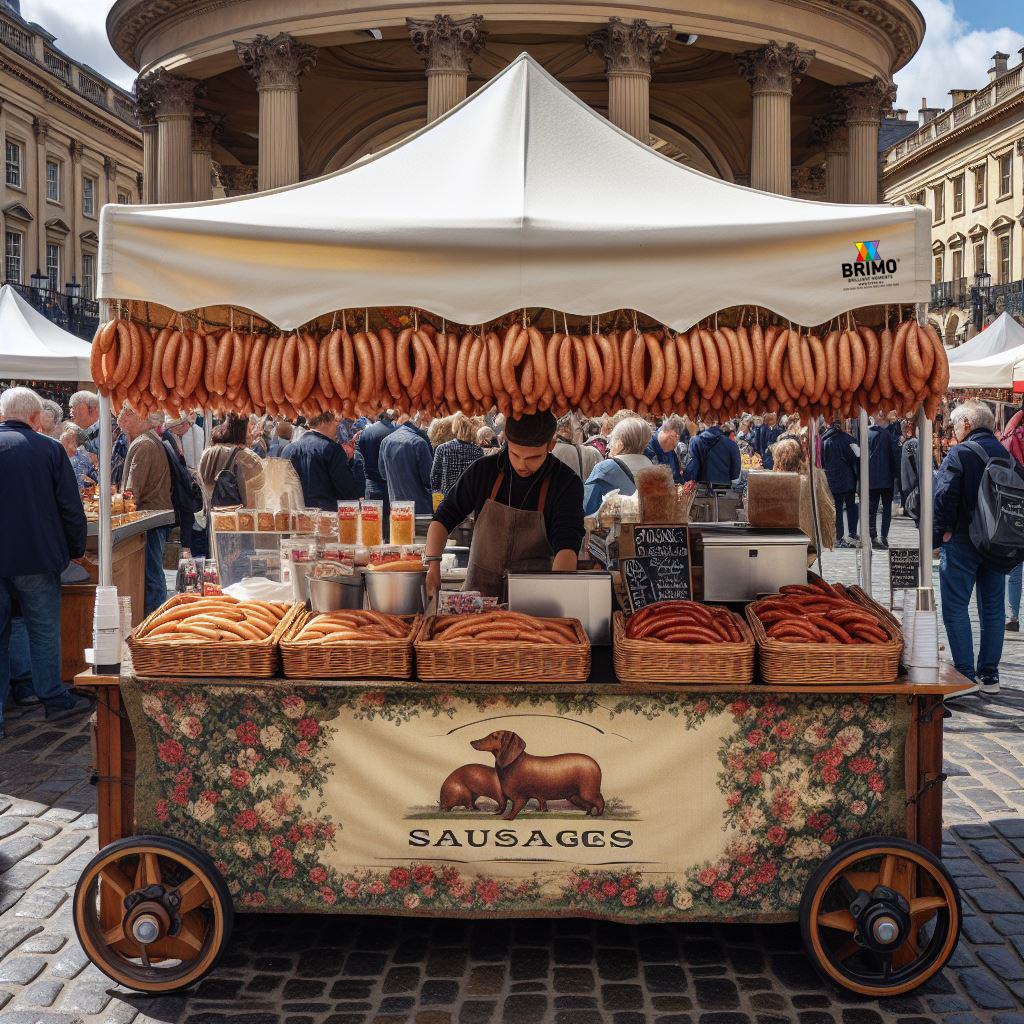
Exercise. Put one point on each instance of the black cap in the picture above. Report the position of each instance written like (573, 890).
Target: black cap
(531, 430)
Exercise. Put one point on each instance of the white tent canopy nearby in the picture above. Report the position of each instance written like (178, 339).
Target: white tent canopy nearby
(1002, 335)
(995, 359)
(34, 348)
(521, 196)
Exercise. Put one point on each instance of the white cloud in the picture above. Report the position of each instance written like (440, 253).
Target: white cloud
(953, 56)
(80, 28)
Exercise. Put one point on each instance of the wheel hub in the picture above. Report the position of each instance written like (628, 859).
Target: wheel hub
(148, 921)
(883, 918)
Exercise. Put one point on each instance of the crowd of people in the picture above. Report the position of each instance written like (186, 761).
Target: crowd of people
(442, 467)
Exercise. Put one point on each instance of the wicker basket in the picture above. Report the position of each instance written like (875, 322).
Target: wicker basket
(243, 659)
(647, 661)
(861, 597)
(488, 661)
(810, 663)
(372, 659)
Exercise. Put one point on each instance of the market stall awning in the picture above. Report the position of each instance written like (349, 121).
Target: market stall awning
(34, 348)
(1002, 335)
(521, 196)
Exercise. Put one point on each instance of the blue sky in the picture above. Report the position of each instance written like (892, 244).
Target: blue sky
(961, 36)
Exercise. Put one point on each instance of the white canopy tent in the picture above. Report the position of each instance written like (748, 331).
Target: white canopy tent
(1001, 336)
(34, 348)
(521, 196)
(995, 359)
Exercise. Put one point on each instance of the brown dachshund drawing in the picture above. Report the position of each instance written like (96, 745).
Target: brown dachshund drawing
(573, 777)
(466, 784)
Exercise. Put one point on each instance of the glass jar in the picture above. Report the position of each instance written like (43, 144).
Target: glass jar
(371, 512)
(403, 522)
(348, 522)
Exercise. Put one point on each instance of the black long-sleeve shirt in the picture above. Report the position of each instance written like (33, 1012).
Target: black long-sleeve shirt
(563, 510)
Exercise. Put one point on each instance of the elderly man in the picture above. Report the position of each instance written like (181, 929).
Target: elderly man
(713, 456)
(43, 524)
(962, 568)
(147, 474)
(662, 447)
(186, 437)
(581, 459)
(84, 409)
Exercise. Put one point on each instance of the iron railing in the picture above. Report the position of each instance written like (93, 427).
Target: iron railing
(950, 293)
(79, 316)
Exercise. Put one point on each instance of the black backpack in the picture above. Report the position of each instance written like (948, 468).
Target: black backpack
(186, 494)
(997, 524)
(227, 491)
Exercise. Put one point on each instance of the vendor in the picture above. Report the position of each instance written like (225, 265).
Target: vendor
(528, 505)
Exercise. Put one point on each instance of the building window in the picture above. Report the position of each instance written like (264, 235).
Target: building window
(979, 257)
(939, 201)
(979, 186)
(53, 266)
(13, 241)
(958, 264)
(958, 194)
(123, 198)
(938, 269)
(53, 181)
(1005, 174)
(88, 276)
(89, 197)
(14, 158)
(1004, 258)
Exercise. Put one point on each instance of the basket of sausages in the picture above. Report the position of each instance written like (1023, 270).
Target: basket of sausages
(682, 642)
(190, 635)
(817, 633)
(349, 644)
(501, 646)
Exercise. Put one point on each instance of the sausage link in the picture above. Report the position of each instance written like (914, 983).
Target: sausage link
(579, 364)
(897, 370)
(700, 373)
(711, 363)
(845, 366)
(636, 366)
(364, 357)
(607, 363)
(436, 373)
(420, 374)
(820, 367)
(626, 359)
(538, 356)
(858, 359)
(757, 344)
(915, 365)
(732, 339)
(796, 366)
(476, 350)
(170, 361)
(808, 365)
(403, 364)
(671, 355)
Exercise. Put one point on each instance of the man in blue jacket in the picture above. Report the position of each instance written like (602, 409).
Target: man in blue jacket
(325, 471)
(43, 526)
(661, 449)
(368, 445)
(839, 460)
(405, 460)
(961, 565)
(713, 457)
(883, 468)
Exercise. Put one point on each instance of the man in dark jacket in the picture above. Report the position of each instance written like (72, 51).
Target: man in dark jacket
(883, 468)
(43, 526)
(326, 473)
(713, 457)
(368, 445)
(842, 470)
(765, 436)
(405, 459)
(661, 449)
(961, 565)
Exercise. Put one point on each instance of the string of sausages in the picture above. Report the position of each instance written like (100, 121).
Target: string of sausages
(196, 619)
(502, 625)
(818, 613)
(720, 370)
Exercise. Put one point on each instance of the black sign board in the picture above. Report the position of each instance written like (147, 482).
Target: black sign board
(660, 542)
(904, 568)
(656, 578)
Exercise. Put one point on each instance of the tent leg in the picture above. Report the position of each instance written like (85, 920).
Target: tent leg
(812, 471)
(106, 547)
(924, 461)
(865, 519)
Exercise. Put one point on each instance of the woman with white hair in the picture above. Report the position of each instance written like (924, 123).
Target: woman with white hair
(626, 445)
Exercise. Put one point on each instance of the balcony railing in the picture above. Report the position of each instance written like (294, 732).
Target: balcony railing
(92, 90)
(125, 108)
(79, 316)
(16, 38)
(1009, 297)
(950, 293)
(57, 66)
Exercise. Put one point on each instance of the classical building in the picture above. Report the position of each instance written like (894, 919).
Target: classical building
(967, 165)
(71, 143)
(785, 95)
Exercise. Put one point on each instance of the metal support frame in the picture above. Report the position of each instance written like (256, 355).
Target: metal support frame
(812, 470)
(106, 542)
(924, 462)
(865, 522)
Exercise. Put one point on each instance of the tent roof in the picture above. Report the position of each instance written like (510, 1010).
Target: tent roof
(34, 348)
(1003, 334)
(521, 196)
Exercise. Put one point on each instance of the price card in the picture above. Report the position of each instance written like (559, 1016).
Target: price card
(656, 578)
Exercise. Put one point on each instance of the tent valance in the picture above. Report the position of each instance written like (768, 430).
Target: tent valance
(521, 196)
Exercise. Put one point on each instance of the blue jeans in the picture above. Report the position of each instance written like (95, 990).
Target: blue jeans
(38, 595)
(960, 570)
(156, 581)
(1013, 588)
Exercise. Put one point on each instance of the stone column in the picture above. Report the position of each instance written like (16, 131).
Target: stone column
(864, 106)
(772, 71)
(446, 45)
(277, 65)
(74, 209)
(173, 99)
(630, 50)
(145, 106)
(204, 127)
(41, 129)
(830, 134)
(110, 180)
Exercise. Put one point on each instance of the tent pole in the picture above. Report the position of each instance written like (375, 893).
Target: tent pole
(106, 547)
(865, 527)
(924, 463)
(812, 470)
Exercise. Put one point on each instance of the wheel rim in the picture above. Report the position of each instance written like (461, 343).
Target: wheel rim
(852, 917)
(150, 918)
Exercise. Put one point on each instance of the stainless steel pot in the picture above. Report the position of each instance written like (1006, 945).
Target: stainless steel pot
(334, 593)
(397, 593)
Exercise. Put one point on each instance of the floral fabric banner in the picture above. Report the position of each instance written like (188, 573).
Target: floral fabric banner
(482, 801)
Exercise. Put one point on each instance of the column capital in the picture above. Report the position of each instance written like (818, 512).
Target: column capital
(866, 101)
(205, 126)
(829, 132)
(446, 43)
(75, 149)
(40, 128)
(239, 178)
(138, 183)
(161, 94)
(278, 62)
(774, 68)
(629, 47)
(110, 167)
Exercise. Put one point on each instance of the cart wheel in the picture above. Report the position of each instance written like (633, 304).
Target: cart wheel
(880, 916)
(153, 913)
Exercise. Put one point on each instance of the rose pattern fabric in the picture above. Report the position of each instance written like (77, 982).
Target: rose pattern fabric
(239, 771)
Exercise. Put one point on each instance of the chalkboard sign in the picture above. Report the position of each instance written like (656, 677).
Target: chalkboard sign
(656, 578)
(660, 542)
(904, 568)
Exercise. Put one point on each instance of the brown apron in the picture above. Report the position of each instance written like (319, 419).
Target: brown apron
(507, 539)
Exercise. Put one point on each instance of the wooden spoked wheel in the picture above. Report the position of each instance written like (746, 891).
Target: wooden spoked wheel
(153, 913)
(880, 916)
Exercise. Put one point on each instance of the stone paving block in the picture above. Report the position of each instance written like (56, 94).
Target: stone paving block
(40, 993)
(14, 849)
(20, 970)
(54, 852)
(40, 829)
(985, 990)
(524, 1009)
(70, 963)
(8, 897)
(44, 942)
(41, 903)
(22, 876)
(87, 997)
(12, 935)
(980, 932)
(10, 823)
(27, 808)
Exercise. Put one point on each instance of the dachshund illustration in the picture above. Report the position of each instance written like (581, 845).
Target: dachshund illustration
(466, 784)
(573, 777)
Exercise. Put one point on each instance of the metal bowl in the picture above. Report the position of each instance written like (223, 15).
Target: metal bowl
(397, 593)
(334, 593)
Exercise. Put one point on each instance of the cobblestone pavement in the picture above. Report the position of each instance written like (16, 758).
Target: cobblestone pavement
(315, 970)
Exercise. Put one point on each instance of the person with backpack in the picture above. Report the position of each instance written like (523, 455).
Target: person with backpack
(1012, 439)
(713, 456)
(618, 472)
(229, 471)
(980, 540)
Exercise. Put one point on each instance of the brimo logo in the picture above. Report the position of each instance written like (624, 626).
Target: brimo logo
(868, 262)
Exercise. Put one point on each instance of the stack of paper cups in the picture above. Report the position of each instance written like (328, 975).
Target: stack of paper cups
(106, 630)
